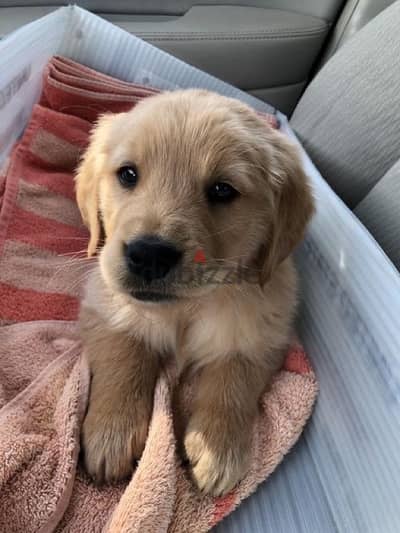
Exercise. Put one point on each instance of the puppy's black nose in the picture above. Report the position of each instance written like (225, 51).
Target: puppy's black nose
(151, 257)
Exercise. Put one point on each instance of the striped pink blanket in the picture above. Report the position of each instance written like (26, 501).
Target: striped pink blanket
(43, 379)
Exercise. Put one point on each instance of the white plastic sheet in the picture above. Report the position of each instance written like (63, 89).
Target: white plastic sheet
(344, 474)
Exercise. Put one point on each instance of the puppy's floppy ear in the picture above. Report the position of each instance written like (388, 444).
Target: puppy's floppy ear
(293, 204)
(87, 182)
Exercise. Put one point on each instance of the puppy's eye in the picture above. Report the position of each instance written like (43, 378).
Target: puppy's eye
(221, 192)
(127, 176)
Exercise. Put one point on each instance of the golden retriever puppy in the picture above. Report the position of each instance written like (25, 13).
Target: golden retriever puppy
(188, 190)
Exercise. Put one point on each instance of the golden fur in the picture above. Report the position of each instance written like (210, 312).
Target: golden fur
(236, 333)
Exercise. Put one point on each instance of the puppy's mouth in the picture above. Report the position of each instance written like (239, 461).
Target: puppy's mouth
(152, 296)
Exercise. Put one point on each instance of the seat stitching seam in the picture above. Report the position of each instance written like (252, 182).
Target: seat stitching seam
(226, 37)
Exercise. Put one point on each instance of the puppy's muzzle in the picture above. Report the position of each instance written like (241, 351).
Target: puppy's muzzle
(151, 258)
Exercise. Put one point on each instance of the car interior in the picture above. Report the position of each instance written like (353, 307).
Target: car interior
(270, 48)
(287, 54)
(331, 66)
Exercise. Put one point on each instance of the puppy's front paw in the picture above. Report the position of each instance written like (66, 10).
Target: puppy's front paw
(112, 443)
(218, 460)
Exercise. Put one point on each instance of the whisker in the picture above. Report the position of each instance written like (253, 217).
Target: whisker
(84, 251)
(80, 236)
(79, 281)
(67, 264)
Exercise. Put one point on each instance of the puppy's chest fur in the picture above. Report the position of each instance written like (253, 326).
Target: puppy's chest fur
(200, 333)
(230, 320)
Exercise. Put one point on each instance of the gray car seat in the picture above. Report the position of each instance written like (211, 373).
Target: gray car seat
(349, 122)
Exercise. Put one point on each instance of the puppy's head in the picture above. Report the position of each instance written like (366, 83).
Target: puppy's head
(185, 180)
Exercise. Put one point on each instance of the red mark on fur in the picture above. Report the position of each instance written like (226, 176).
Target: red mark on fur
(223, 506)
(199, 257)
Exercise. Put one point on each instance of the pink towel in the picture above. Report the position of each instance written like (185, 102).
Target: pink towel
(43, 379)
